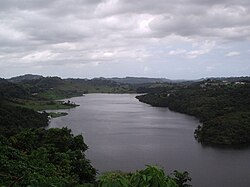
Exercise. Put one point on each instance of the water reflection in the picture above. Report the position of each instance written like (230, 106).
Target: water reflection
(124, 134)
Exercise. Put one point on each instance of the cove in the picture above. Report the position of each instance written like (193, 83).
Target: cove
(125, 134)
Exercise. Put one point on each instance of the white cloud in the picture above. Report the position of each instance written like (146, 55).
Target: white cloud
(177, 52)
(204, 48)
(198, 50)
(233, 53)
(40, 56)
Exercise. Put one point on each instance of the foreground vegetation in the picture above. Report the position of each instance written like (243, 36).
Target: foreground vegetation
(151, 176)
(223, 109)
(39, 157)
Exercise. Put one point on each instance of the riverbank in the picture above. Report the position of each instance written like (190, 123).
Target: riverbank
(42, 105)
(57, 114)
(223, 111)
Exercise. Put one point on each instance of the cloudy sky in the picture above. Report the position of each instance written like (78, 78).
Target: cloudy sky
(151, 38)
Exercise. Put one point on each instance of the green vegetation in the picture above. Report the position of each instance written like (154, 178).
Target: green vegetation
(25, 77)
(151, 176)
(57, 114)
(54, 88)
(39, 93)
(44, 105)
(33, 156)
(39, 157)
(14, 119)
(22, 95)
(223, 108)
(139, 80)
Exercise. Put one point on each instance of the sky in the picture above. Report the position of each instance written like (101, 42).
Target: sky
(176, 39)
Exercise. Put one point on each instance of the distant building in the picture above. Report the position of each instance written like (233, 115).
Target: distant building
(239, 83)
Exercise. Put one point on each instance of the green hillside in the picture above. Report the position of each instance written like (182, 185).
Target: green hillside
(222, 107)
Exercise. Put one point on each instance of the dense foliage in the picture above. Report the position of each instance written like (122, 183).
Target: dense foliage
(12, 91)
(224, 110)
(152, 176)
(13, 119)
(39, 157)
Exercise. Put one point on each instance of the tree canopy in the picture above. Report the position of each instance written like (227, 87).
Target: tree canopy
(224, 110)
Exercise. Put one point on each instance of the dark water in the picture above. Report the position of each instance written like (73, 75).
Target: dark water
(124, 134)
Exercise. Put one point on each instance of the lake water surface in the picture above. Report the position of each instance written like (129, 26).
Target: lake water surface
(125, 134)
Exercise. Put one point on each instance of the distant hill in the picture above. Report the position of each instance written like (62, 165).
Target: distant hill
(3, 81)
(230, 79)
(56, 88)
(47, 82)
(139, 80)
(102, 80)
(27, 77)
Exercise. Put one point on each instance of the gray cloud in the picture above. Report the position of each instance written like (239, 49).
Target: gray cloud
(209, 21)
(52, 33)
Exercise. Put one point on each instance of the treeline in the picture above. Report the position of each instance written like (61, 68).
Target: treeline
(47, 88)
(223, 109)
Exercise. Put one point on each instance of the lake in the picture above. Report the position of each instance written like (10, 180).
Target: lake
(125, 134)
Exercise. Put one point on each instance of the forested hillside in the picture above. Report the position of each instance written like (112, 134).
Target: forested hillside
(31, 155)
(58, 88)
(14, 119)
(223, 108)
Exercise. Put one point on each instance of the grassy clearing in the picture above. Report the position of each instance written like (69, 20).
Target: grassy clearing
(57, 114)
(45, 105)
(59, 94)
